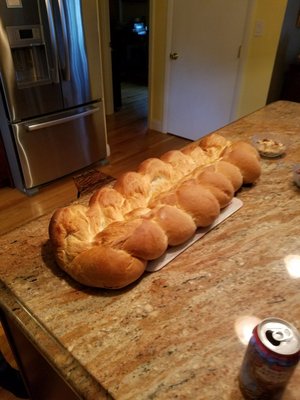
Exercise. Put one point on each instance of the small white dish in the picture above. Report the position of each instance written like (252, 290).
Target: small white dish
(269, 145)
(296, 174)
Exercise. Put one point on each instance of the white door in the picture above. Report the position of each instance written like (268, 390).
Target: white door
(206, 40)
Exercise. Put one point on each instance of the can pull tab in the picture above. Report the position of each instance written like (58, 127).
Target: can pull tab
(278, 335)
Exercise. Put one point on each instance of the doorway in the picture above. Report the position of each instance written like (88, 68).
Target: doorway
(129, 32)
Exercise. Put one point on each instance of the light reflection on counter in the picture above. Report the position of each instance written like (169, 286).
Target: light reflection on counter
(292, 264)
(244, 326)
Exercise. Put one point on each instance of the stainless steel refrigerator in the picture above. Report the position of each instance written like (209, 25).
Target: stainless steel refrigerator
(52, 116)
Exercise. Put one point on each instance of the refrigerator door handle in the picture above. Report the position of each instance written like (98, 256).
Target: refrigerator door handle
(55, 73)
(66, 70)
(46, 124)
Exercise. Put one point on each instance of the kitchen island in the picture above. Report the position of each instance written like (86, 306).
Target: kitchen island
(176, 333)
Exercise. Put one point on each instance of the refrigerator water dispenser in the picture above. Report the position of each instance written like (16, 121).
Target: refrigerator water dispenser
(29, 55)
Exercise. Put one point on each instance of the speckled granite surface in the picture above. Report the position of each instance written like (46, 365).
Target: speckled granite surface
(175, 333)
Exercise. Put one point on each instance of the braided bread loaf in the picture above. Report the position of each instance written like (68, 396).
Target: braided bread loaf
(108, 243)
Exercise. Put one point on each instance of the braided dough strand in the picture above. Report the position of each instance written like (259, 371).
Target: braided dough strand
(108, 243)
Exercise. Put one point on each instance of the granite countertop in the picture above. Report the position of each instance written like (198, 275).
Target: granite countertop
(178, 332)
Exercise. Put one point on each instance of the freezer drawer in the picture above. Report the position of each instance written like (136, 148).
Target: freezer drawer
(49, 148)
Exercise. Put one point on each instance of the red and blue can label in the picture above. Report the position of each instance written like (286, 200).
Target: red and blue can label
(270, 360)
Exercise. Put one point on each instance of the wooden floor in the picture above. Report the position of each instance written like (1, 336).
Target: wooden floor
(130, 143)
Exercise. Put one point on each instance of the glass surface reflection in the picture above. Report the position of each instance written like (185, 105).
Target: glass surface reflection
(292, 264)
(244, 326)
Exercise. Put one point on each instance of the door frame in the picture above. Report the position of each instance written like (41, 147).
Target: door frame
(104, 20)
(243, 53)
(104, 29)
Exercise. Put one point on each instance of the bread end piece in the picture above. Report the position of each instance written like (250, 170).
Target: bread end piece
(246, 160)
(105, 267)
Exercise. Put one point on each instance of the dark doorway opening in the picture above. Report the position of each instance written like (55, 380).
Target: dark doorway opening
(129, 25)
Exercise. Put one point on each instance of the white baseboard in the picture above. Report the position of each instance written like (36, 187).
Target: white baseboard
(156, 125)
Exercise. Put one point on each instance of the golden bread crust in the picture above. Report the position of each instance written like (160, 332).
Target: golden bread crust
(109, 242)
(105, 267)
(246, 160)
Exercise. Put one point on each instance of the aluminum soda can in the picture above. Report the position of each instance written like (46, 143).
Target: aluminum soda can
(271, 357)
